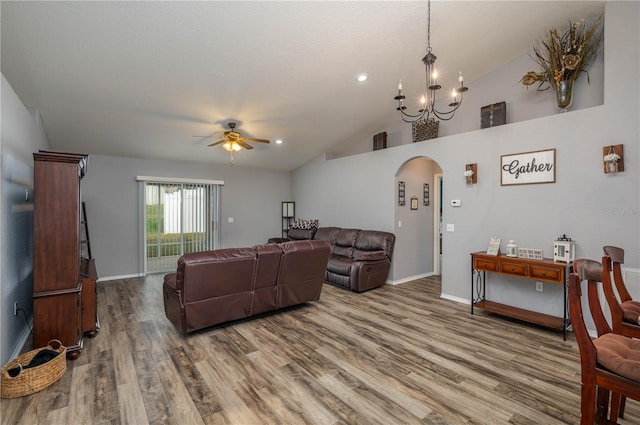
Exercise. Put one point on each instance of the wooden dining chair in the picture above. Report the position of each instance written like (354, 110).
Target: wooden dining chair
(609, 363)
(625, 312)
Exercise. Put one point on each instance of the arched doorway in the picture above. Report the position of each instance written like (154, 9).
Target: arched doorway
(417, 222)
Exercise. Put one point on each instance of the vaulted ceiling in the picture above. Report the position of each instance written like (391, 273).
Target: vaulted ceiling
(141, 78)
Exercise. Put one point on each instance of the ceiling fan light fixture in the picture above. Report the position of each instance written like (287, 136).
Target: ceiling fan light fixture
(279, 142)
(231, 146)
(362, 77)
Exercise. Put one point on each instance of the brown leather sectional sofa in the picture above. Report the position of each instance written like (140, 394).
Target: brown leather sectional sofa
(214, 287)
(360, 259)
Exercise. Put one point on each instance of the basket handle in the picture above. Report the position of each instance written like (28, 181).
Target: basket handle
(59, 344)
(14, 371)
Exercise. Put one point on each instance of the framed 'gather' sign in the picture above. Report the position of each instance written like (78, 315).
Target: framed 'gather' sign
(528, 168)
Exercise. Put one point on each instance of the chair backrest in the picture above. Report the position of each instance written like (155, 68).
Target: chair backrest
(617, 313)
(592, 272)
(617, 259)
(585, 345)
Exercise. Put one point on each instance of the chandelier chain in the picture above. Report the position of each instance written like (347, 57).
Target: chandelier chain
(429, 26)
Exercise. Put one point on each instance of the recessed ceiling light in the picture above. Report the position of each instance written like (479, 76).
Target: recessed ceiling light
(362, 77)
(279, 142)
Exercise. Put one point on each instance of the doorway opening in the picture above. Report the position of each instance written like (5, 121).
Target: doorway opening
(437, 224)
(418, 214)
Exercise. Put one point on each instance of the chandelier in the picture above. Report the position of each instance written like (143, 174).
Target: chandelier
(428, 101)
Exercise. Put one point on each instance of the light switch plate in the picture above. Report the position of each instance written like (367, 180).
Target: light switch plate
(455, 202)
(451, 228)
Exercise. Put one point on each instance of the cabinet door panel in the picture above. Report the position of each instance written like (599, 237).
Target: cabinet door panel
(57, 317)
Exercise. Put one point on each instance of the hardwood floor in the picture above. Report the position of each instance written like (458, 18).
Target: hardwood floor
(393, 355)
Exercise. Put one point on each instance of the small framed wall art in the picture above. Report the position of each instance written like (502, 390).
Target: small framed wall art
(401, 194)
(425, 194)
(380, 141)
(414, 202)
(493, 115)
(424, 129)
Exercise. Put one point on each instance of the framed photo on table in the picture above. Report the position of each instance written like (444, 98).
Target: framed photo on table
(494, 246)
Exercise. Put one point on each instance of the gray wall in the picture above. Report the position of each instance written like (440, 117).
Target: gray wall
(22, 134)
(523, 104)
(110, 190)
(593, 208)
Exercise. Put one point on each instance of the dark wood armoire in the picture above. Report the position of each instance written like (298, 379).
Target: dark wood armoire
(64, 283)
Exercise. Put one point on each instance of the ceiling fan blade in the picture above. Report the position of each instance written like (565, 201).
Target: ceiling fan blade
(244, 145)
(251, 139)
(216, 143)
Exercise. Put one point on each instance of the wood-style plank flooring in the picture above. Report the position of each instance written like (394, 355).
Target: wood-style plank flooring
(393, 355)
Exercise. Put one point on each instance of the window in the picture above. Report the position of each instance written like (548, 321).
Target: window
(178, 217)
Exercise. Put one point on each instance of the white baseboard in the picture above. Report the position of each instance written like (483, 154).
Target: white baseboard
(456, 299)
(124, 276)
(409, 279)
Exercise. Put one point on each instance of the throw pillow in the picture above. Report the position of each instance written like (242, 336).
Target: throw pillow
(304, 224)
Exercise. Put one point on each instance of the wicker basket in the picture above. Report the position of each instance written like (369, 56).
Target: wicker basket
(34, 379)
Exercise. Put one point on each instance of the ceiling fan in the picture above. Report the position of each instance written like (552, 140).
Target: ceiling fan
(233, 141)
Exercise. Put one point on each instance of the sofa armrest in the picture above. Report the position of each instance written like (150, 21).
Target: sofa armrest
(170, 281)
(369, 256)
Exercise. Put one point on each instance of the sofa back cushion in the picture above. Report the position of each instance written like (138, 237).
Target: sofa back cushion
(211, 274)
(328, 234)
(267, 266)
(302, 270)
(301, 234)
(344, 242)
(373, 245)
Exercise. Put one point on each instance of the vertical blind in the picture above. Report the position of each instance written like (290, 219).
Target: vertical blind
(179, 217)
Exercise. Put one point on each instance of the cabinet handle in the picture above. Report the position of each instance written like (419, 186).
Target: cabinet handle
(544, 273)
(512, 269)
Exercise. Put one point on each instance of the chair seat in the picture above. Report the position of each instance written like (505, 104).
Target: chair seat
(619, 354)
(631, 311)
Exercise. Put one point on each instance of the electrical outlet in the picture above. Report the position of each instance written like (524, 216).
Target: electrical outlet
(15, 308)
(539, 286)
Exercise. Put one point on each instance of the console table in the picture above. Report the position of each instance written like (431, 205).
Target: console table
(545, 270)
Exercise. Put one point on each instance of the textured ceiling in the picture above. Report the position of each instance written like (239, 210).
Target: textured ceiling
(141, 78)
